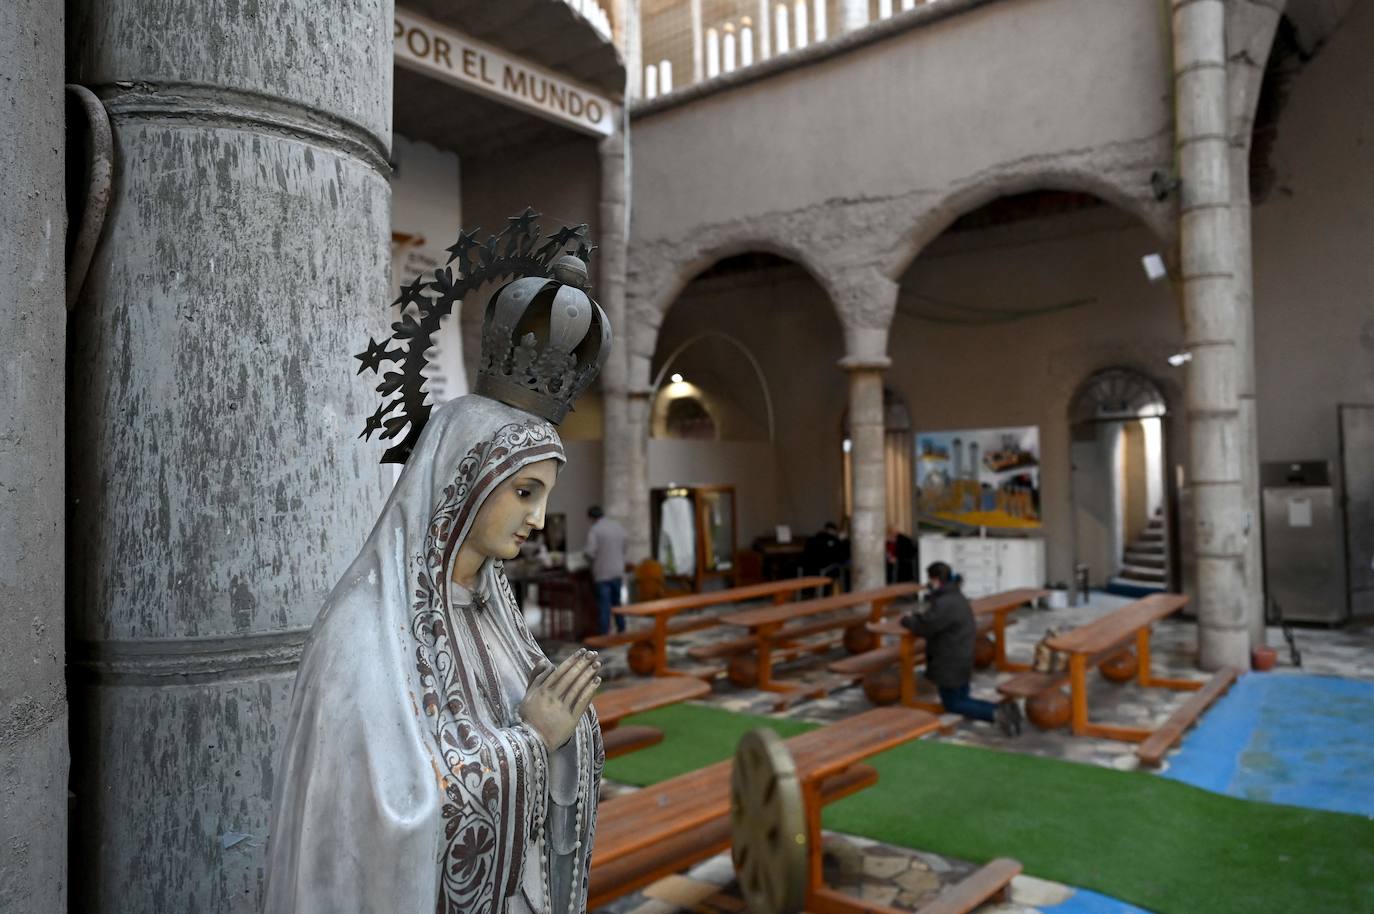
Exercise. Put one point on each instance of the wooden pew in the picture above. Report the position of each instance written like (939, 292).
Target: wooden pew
(1151, 752)
(663, 829)
(648, 645)
(772, 639)
(614, 705)
(1102, 638)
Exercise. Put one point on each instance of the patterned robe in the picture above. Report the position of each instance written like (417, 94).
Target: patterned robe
(408, 782)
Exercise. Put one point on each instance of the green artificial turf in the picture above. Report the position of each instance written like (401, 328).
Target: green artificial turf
(1151, 841)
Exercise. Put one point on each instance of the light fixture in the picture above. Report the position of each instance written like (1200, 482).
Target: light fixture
(676, 378)
(1180, 358)
(1154, 267)
(847, 445)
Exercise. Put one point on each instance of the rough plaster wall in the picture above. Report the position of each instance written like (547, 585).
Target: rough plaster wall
(1314, 284)
(33, 702)
(218, 486)
(789, 324)
(563, 182)
(888, 143)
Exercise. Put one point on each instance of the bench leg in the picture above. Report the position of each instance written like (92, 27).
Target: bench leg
(1078, 687)
(660, 645)
(1147, 678)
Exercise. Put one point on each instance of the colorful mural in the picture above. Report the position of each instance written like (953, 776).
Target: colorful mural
(986, 477)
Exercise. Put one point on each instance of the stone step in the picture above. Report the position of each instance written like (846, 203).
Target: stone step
(1141, 573)
(1147, 559)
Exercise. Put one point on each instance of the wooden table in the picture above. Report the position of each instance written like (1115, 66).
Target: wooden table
(999, 606)
(767, 625)
(614, 705)
(649, 822)
(661, 611)
(996, 606)
(1103, 637)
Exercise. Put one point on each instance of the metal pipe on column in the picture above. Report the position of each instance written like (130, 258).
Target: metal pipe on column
(217, 486)
(1207, 256)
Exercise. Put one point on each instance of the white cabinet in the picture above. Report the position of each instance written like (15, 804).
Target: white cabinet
(988, 565)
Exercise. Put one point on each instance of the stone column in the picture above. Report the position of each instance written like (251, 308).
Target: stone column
(218, 488)
(853, 15)
(867, 300)
(867, 528)
(1207, 257)
(698, 43)
(636, 444)
(611, 287)
(33, 353)
(765, 30)
(1250, 35)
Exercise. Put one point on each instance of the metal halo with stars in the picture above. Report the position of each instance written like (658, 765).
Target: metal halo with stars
(515, 251)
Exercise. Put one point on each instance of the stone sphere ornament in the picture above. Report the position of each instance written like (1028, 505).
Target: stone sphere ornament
(640, 657)
(743, 671)
(1120, 667)
(1049, 710)
(858, 639)
(883, 687)
(984, 652)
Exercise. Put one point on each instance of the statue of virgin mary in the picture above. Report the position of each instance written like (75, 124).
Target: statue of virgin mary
(435, 761)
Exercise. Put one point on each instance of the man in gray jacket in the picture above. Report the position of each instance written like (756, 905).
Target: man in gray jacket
(949, 630)
(606, 552)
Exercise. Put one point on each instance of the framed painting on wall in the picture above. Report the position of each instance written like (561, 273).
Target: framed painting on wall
(985, 477)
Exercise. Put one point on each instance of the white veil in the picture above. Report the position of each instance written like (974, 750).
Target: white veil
(408, 782)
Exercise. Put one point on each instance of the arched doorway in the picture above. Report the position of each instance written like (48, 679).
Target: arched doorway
(1122, 507)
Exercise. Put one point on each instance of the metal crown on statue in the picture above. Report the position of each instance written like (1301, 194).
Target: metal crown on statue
(543, 338)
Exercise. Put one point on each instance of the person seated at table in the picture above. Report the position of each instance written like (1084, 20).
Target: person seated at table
(606, 553)
(825, 552)
(949, 630)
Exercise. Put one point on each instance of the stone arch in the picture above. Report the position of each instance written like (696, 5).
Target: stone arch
(981, 190)
(657, 280)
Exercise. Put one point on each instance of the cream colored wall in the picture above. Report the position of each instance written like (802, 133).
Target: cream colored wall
(1314, 274)
(985, 91)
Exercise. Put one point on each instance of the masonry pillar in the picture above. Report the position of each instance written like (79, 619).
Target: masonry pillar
(853, 15)
(33, 352)
(1250, 36)
(1207, 257)
(639, 400)
(867, 300)
(611, 282)
(217, 485)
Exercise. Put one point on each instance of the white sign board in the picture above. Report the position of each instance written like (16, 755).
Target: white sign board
(439, 51)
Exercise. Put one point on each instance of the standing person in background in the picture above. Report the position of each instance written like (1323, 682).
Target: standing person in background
(606, 553)
(949, 629)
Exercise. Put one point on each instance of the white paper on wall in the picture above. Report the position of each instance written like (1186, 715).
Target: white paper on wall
(1299, 512)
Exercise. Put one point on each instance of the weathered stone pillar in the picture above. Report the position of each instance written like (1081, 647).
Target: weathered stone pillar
(33, 695)
(853, 15)
(867, 526)
(636, 444)
(611, 283)
(1207, 256)
(867, 300)
(1250, 35)
(698, 43)
(218, 487)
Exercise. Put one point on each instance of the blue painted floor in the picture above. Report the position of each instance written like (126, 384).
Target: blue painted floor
(1274, 738)
(1292, 739)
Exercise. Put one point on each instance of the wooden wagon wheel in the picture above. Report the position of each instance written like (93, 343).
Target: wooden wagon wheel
(768, 825)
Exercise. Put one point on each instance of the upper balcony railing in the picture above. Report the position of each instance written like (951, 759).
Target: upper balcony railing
(596, 15)
(688, 41)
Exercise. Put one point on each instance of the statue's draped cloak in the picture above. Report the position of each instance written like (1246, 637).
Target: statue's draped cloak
(408, 782)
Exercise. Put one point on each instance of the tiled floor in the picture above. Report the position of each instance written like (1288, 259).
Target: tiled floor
(906, 879)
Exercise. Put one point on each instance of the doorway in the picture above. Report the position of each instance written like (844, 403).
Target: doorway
(1122, 508)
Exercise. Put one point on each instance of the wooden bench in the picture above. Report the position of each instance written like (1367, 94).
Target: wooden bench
(1104, 637)
(662, 829)
(668, 826)
(648, 644)
(1151, 752)
(772, 639)
(614, 705)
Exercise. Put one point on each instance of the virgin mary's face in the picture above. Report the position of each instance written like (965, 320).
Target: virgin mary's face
(514, 510)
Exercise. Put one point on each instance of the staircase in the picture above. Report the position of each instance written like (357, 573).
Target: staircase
(1144, 568)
